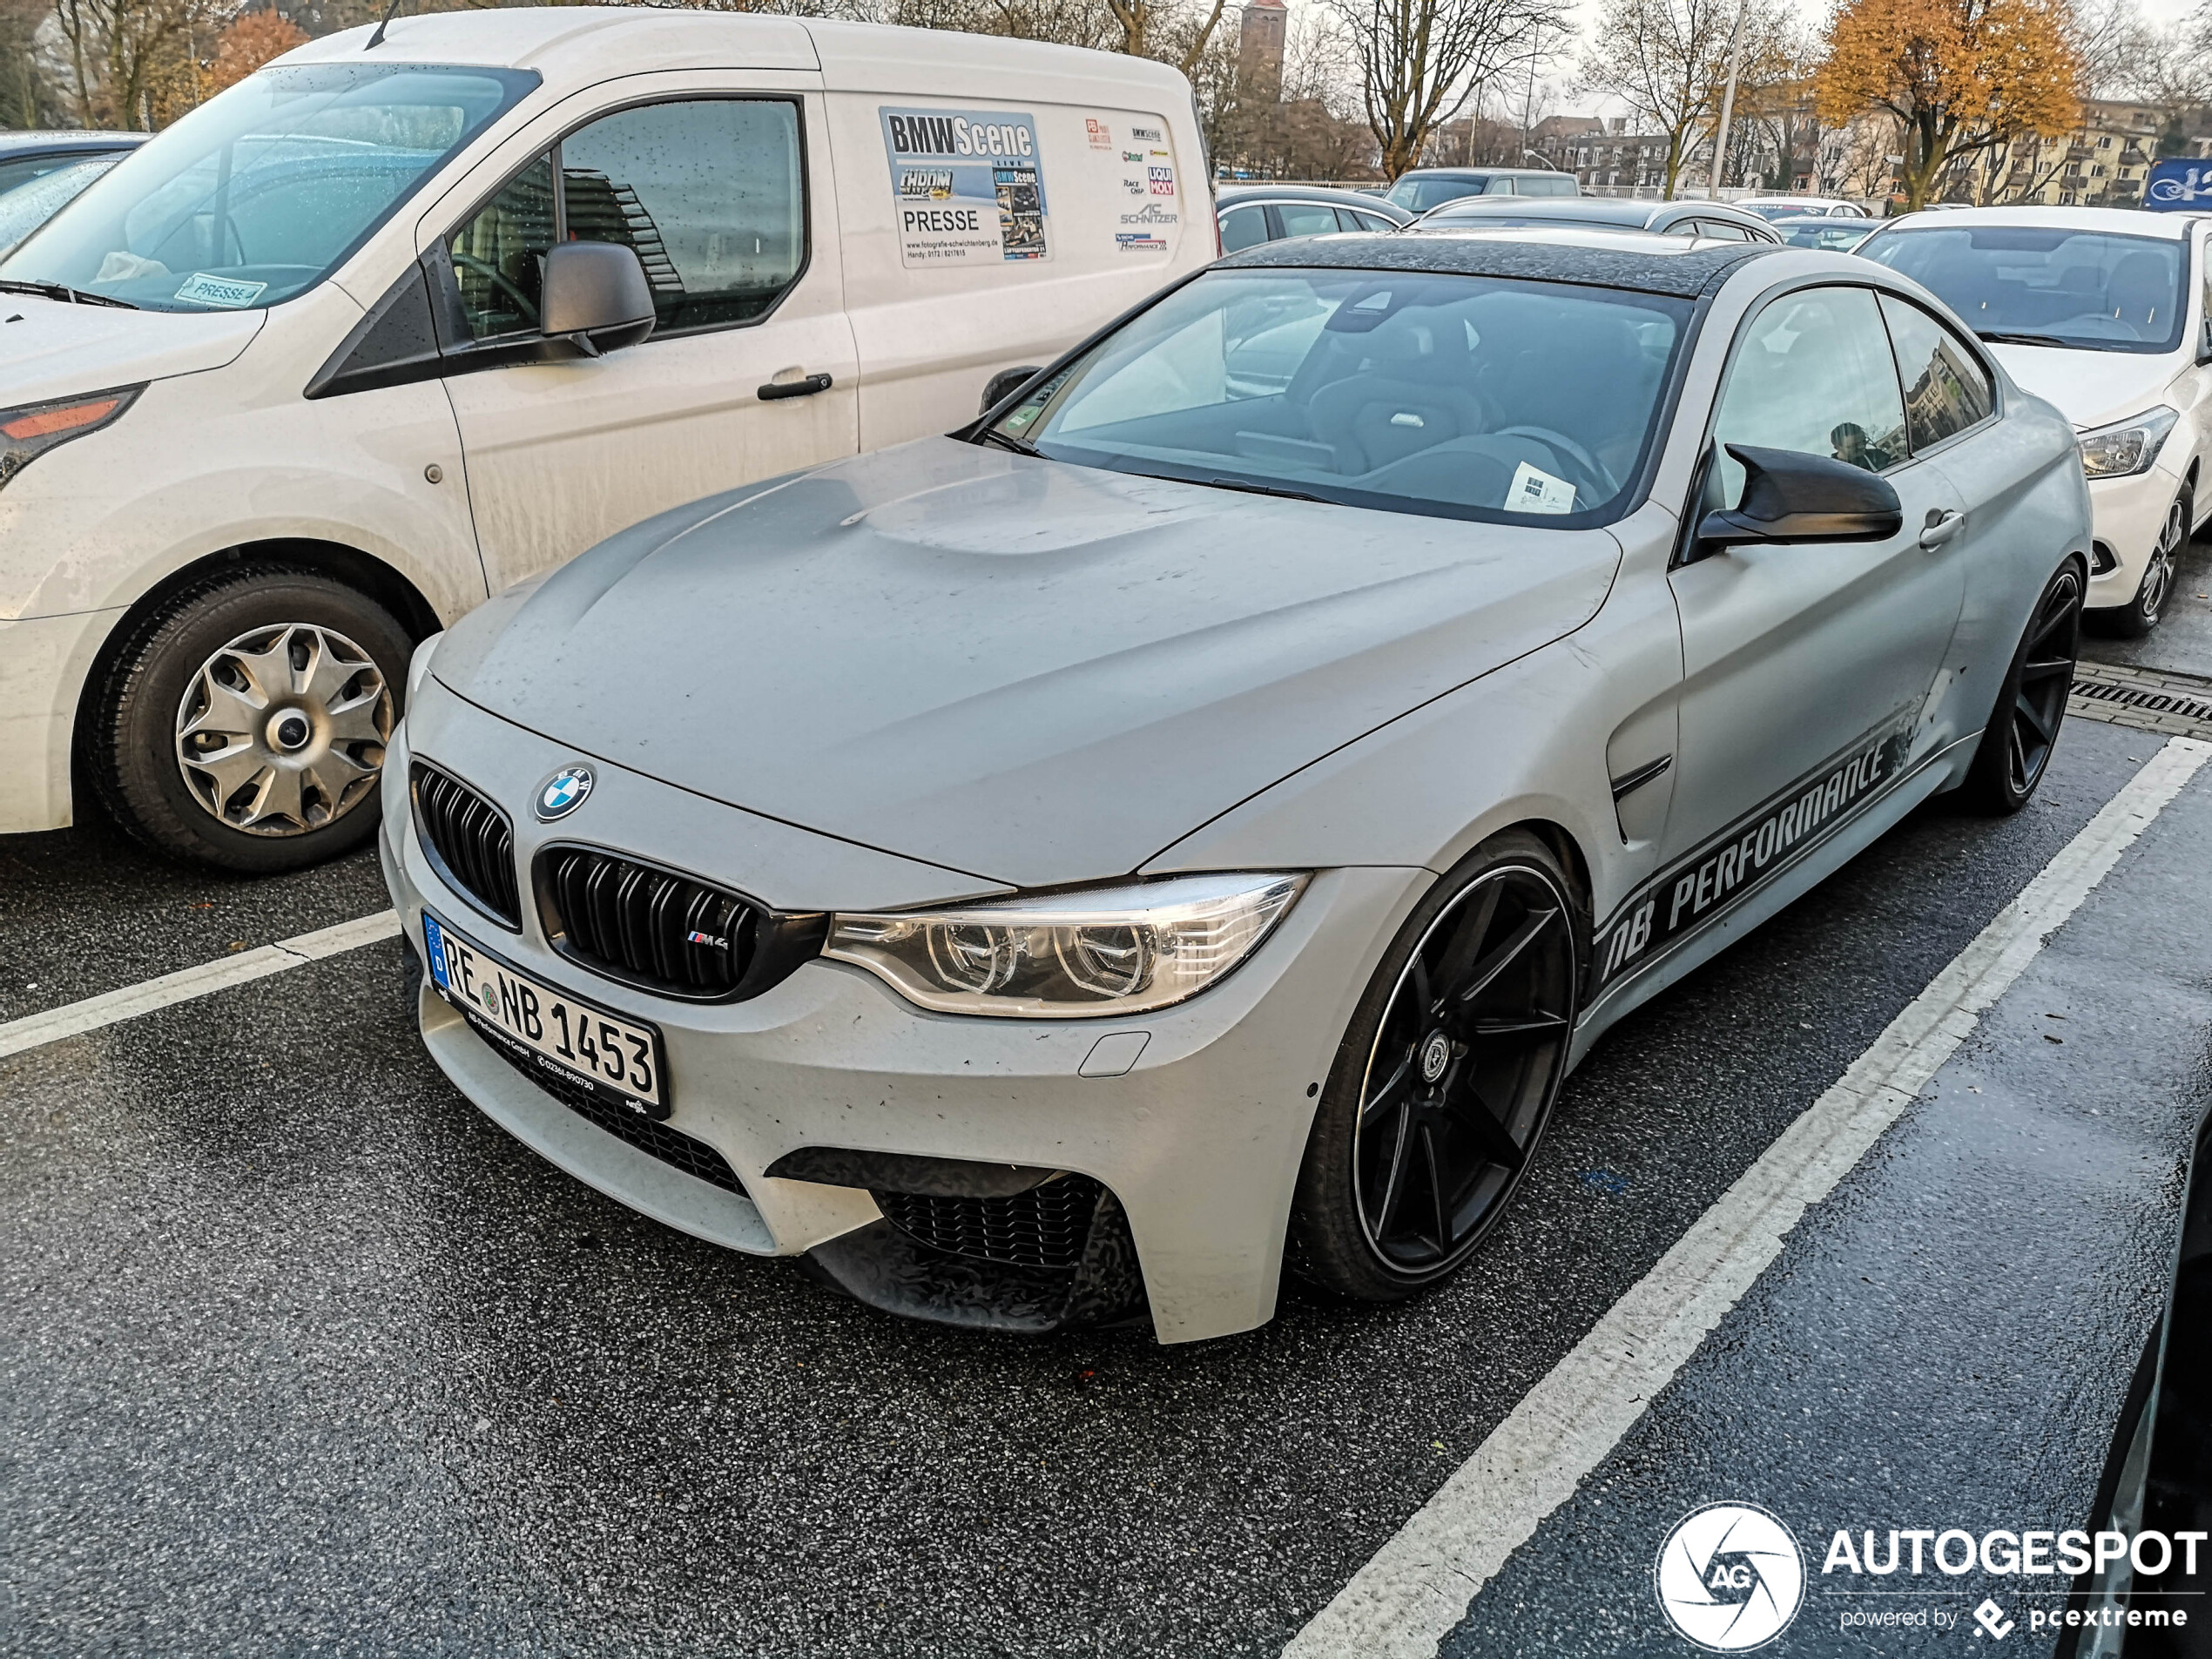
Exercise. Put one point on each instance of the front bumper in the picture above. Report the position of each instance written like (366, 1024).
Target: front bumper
(2128, 513)
(1199, 1142)
(43, 663)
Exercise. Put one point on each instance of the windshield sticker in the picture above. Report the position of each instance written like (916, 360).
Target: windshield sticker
(967, 185)
(219, 291)
(1536, 492)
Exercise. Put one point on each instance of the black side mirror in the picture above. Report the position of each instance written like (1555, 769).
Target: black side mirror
(1793, 497)
(596, 296)
(1004, 384)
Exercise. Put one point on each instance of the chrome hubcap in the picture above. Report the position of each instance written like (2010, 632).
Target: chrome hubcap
(283, 730)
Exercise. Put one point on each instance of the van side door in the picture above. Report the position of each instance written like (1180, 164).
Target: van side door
(725, 194)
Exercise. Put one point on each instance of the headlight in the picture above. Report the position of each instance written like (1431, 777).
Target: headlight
(28, 432)
(2126, 447)
(1115, 951)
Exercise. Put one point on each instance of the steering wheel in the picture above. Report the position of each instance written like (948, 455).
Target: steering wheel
(1594, 470)
(497, 278)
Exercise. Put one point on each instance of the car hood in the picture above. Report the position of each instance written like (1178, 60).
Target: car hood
(2089, 387)
(1030, 671)
(51, 349)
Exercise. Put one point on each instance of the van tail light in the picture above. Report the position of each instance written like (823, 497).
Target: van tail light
(28, 432)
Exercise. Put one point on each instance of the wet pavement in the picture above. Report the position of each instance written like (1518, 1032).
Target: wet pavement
(298, 1352)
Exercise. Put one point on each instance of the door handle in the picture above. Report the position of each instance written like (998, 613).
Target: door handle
(806, 387)
(1941, 527)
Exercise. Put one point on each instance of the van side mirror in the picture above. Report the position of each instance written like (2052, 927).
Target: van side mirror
(596, 296)
(1793, 497)
(1003, 385)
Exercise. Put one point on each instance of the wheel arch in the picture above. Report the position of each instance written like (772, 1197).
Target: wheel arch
(1567, 849)
(363, 572)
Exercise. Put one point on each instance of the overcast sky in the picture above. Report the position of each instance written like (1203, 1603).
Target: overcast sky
(1815, 13)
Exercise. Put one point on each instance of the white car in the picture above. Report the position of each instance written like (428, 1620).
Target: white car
(306, 377)
(2101, 311)
(1772, 207)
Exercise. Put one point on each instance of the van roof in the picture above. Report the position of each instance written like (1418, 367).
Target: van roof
(579, 46)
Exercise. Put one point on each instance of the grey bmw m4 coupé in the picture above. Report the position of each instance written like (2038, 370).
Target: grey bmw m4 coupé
(1186, 825)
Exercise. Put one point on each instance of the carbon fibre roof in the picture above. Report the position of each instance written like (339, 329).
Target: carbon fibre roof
(1682, 272)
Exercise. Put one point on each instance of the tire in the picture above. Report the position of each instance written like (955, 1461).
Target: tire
(1425, 1068)
(2015, 748)
(2141, 614)
(283, 686)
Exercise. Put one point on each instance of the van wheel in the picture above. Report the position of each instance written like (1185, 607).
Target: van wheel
(244, 724)
(1445, 1078)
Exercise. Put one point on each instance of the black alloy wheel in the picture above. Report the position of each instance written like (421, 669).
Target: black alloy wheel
(2015, 748)
(1446, 1080)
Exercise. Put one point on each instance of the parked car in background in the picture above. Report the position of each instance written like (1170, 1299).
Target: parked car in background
(2103, 311)
(1711, 220)
(1801, 207)
(1232, 800)
(1250, 214)
(374, 334)
(1426, 187)
(1837, 235)
(41, 172)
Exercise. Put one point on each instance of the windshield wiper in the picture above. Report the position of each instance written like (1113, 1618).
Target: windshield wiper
(1998, 337)
(1007, 440)
(67, 295)
(1268, 490)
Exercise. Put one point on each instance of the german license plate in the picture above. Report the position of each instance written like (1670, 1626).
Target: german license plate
(619, 1059)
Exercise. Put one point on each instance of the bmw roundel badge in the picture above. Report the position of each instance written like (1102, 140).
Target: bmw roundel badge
(564, 793)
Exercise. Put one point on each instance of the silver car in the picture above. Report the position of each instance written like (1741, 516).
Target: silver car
(1188, 823)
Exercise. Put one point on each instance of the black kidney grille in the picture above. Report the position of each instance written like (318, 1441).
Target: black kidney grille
(666, 930)
(670, 1146)
(472, 840)
(1047, 1226)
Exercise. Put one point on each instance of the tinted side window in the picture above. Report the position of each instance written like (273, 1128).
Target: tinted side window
(1946, 390)
(709, 195)
(1498, 187)
(1305, 218)
(1813, 374)
(1721, 231)
(1561, 186)
(499, 256)
(1243, 228)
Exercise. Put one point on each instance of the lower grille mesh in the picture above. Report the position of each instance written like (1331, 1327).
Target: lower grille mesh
(1046, 1226)
(670, 1146)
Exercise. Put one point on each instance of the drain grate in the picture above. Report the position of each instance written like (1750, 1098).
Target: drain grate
(2150, 699)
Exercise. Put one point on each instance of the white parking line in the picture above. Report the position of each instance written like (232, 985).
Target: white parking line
(73, 1019)
(1419, 1585)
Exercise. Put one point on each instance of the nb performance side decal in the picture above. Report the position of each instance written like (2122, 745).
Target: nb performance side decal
(1696, 890)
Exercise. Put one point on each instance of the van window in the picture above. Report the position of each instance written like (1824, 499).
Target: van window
(256, 194)
(1548, 185)
(708, 193)
(498, 256)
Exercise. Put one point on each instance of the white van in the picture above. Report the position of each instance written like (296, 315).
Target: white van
(313, 371)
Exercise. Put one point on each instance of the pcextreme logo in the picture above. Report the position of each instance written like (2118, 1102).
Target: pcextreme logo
(1729, 1577)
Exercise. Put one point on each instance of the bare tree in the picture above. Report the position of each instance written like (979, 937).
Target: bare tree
(1420, 61)
(1667, 60)
(116, 53)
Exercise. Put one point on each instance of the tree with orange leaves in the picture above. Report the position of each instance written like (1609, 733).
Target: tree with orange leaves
(1960, 75)
(255, 39)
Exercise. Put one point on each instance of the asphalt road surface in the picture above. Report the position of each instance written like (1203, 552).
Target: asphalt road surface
(300, 1353)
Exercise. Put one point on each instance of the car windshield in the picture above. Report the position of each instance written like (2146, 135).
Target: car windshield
(2054, 285)
(1839, 235)
(1418, 195)
(1460, 396)
(257, 194)
(1774, 210)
